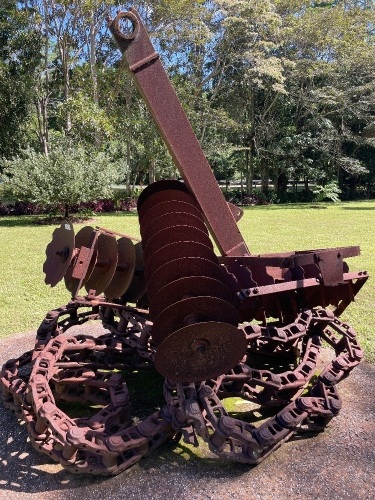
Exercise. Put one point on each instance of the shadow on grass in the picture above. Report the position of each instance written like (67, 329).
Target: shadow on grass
(42, 220)
(358, 208)
(17, 221)
(289, 206)
(309, 206)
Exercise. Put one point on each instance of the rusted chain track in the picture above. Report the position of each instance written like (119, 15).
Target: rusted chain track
(85, 369)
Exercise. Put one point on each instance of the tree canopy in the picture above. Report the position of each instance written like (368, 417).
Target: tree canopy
(279, 90)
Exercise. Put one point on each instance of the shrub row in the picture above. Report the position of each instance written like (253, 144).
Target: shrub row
(258, 198)
(98, 206)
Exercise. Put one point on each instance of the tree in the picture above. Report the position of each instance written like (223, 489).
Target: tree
(331, 87)
(281, 90)
(69, 175)
(20, 43)
(253, 80)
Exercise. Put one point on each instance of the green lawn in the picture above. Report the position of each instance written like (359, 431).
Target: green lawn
(25, 299)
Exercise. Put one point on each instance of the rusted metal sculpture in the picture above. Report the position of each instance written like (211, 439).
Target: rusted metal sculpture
(233, 325)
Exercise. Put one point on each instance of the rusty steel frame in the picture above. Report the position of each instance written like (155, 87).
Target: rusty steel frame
(178, 135)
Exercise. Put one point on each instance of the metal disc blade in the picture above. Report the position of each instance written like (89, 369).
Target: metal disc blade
(105, 265)
(200, 352)
(59, 254)
(170, 195)
(175, 219)
(168, 207)
(156, 187)
(191, 286)
(171, 235)
(124, 271)
(237, 212)
(137, 287)
(180, 268)
(178, 250)
(194, 309)
(84, 238)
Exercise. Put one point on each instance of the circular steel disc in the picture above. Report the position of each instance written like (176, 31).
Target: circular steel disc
(175, 219)
(137, 287)
(169, 207)
(59, 254)
(124, 271)
(84, 238)
(105, 265)
(179, 268)
(156, 187)
(171, 235)
(169, 195)
(139, 261)
(190, 286)
(197, 309)
(200, 351)
(178, 250)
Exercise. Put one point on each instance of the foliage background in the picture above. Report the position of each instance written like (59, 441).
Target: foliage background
(277, 91)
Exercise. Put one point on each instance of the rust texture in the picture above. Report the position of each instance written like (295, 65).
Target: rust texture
(212, 326)
(178, 135)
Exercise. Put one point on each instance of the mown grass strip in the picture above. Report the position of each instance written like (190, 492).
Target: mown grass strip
(25, 299)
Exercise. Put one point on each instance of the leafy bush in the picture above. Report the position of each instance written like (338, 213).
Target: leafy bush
(21, 208)
(68, 177)
(236, 197)
(330, 191)
(87, 208)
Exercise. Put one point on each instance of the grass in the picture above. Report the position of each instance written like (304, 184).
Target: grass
(25, 299)
(279, 228)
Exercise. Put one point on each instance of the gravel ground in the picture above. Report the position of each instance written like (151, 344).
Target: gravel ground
(336, 464)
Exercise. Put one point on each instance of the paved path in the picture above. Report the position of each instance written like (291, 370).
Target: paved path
(337, 464)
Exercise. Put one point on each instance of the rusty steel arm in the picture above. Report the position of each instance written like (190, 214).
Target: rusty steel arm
(172, 123)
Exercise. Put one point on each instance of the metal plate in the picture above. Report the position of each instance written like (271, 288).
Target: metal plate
(178, 250)
(171, 235)
(124, 271)
(168, 207)
(172, 219)
(194, 309)
(137, 287)
(237, 212)
(59, 254)
(84, 238)
(190, 286)
(200, 352)
(156, 187)
(242, 274)
(180, 268)
(105, 265)
(170, 195)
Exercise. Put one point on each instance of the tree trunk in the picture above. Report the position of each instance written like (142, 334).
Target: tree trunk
(281, 184)
(151, 172)
(265, 176)
(127, 181)
(42, 104)
(42, 116)
(93, 69)
(64, 54)
(249, 169)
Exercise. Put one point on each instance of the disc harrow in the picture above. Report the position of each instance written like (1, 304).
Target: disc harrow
(188, 309)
